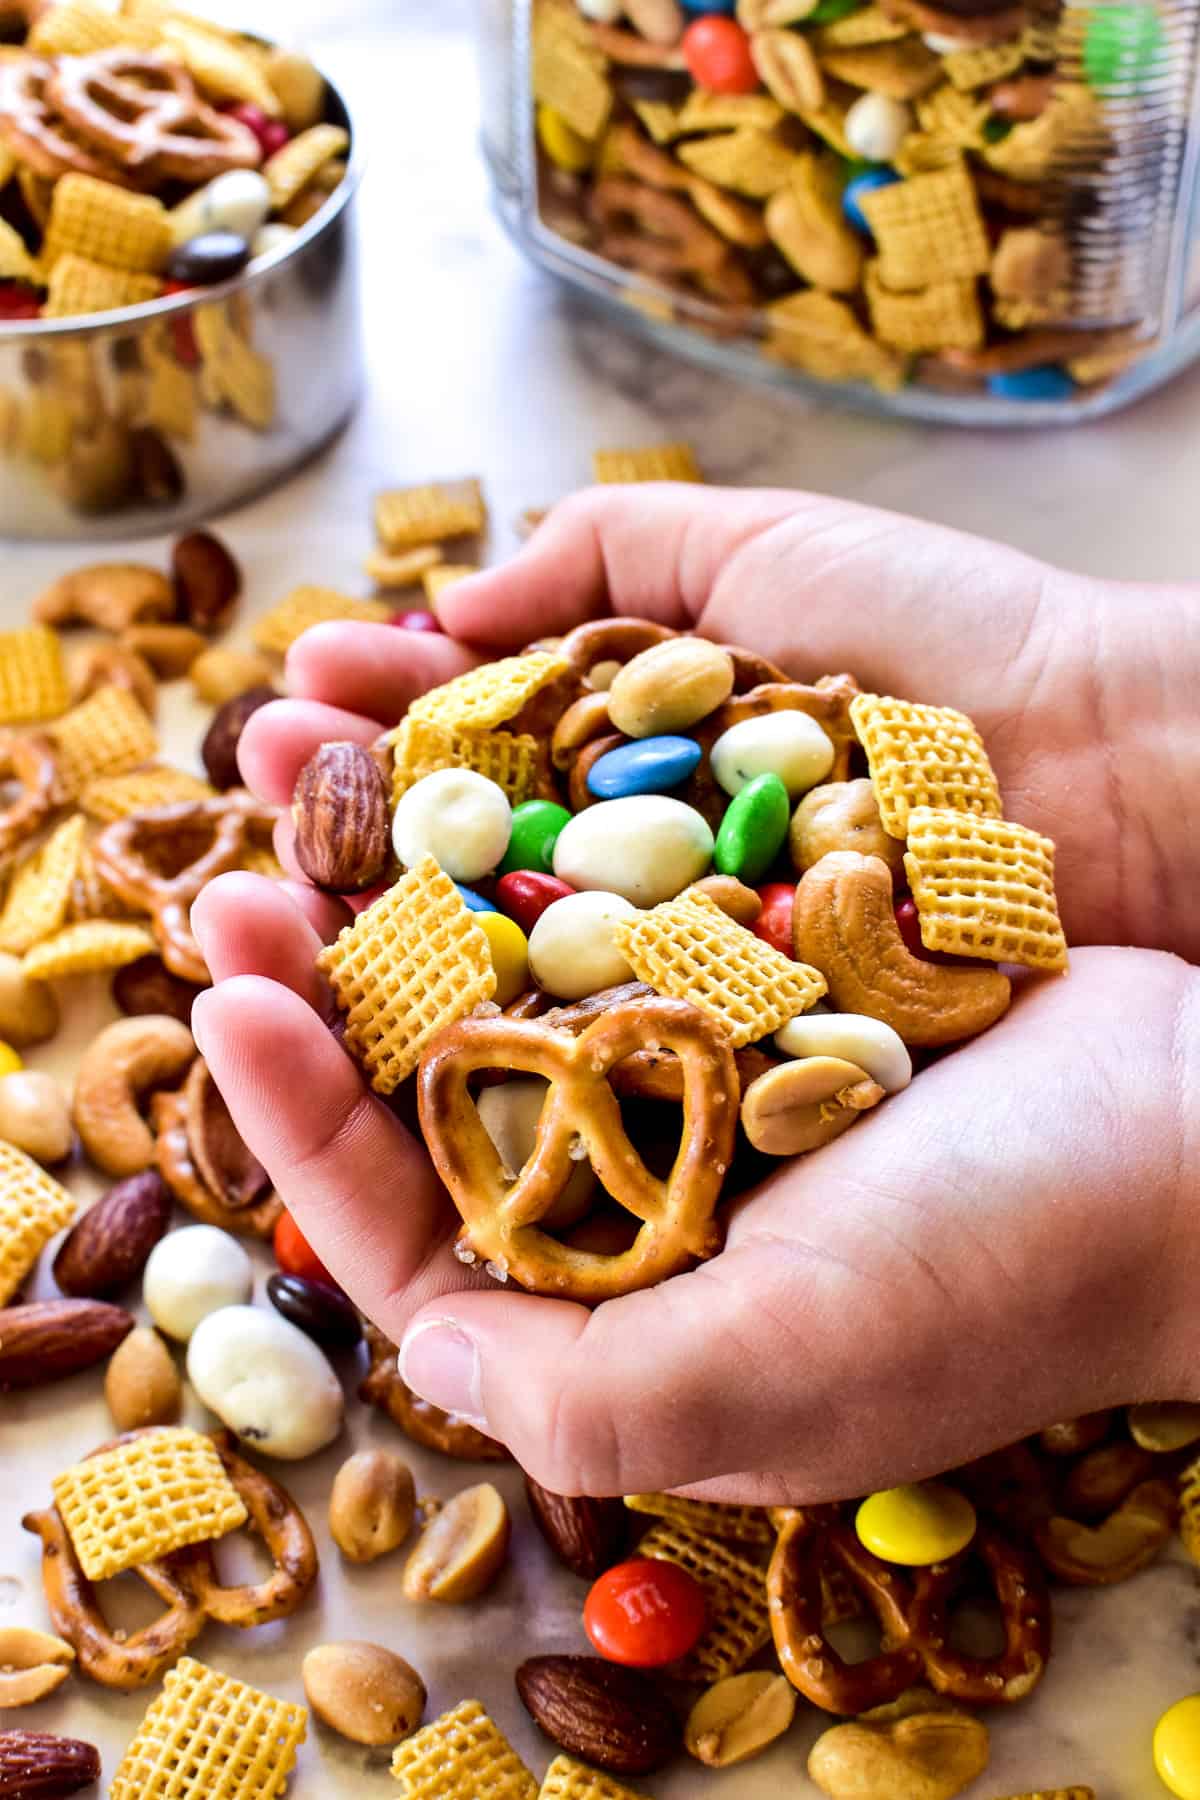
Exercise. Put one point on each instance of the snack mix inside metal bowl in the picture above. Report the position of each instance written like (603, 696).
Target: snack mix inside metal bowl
(178, 306)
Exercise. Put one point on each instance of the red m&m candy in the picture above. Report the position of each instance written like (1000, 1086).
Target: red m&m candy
(295, 1255)
(774, 923)
(526, 893)
(272, 134)
(18, 301)
(717, 53)
(645, 1613)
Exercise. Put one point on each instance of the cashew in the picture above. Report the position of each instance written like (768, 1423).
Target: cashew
(929, 1755)
(109, 595)
(1131, 1537)
(844, 926)
(169, 649)
(841, 815)
(32, 1665)
(801, 1105)
(34, 1115)
(735, 899)
(115, 665)
(119, 1066)
(28, 1009)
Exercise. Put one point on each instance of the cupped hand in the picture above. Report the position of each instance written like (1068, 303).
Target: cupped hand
(1000, 1245)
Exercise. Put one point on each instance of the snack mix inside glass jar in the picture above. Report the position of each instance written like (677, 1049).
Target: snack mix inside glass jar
(972, 210)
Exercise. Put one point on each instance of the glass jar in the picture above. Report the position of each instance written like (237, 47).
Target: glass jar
(975, 211)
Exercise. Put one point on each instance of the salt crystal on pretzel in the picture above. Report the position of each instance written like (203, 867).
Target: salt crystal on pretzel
(87, 946)
(491, 694)
(412, 516)
(33, 679)
(306, 606)
(33, 1209)
(689, 949)
(567, 1779)
(654, 462)
(108, 225)
(209, 1737)
(736, 1592)
(929, 225)
(984, 888)
(711, 1519)
(78, 286)
(141, 790)
(420, 747)
(921, 755)
(462, 1755)
(291, 169)
(408, 966)
(155, 1492)
(105, 735)
(40, 891)
(944, 315)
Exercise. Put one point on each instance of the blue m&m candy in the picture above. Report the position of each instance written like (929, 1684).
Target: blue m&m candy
(650, 765)
(708, 6)
(1046, 382)
(474, 902)
(866, 183)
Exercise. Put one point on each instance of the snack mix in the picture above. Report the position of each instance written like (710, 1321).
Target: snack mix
(636, 917)
(871, 191)
(144, 154)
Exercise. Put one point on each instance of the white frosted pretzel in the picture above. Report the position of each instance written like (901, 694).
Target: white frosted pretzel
(143, 111)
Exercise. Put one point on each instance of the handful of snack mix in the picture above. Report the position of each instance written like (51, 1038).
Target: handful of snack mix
(875, 190)
(633, 870)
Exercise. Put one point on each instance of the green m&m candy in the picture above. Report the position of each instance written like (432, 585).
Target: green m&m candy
(535, 828)
(753, 829)
(1124, 45)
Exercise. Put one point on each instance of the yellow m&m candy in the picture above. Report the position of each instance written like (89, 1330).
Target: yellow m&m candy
(561, 142)
(510, 955)
(1177, 1747)
(924, 1522)
(10, 1062)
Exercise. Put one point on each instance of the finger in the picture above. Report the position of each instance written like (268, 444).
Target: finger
(360, 1187)
(247, 925)
(279, 739)
(326, 913)
(377, 670)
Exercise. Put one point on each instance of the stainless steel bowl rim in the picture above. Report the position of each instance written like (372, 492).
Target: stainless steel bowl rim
(16, 331)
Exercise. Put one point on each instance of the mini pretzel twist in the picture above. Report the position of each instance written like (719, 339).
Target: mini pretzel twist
(423, 1422)
(226, 829)
(283, 1529)
(582, 1116)
(37, 135)
(29, 760)
(912, 1610)
(143, 111)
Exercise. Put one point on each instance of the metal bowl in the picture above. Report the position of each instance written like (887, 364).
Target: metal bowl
(157, 416)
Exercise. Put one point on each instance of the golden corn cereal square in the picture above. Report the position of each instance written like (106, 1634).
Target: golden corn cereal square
(955, 117)
(408, 966)
(108, 225)
(659, 118)
(902, 70)
(490, 694)
(568, 73)
(444, 575)
(419, 747)
(33, 676)
(87, 946)
(16, 264)
(731, 1524)
(33, 1208)
(115, 797)
(656, 462)
(412, 516)
(921, 755)
(83, 27)
(209, 1737)
(172, 395)
(234, 374)
(157, 1492)
(928, 228)
(751, 162)
(405, 569)
(304, 607)
(567, 1779)
(946, 315)
(79, 286)
(867, 25)
(739, 1623)
(221, 68)
(920, 153)
(291, 169)
(979, 67)
(46, 428)
(462, 1755)
(706, 111)
(688, 949)
(1071, 129)
(106, 734)
(984, 887)
(819, 334)
(40, 890)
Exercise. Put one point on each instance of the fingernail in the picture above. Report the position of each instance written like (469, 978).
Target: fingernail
(441, 1364)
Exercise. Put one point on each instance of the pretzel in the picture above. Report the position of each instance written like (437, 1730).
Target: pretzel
(29, 760)
(199, 840)
(143, 111)
(826, 700)
(669, 237)
(581, 1110)
(204, 1162)
(912, 1609)
(419, 1419)
(33, 131)
(187, 1580)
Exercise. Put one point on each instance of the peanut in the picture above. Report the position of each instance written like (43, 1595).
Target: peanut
(801, 1105)
(841, 815)
(670, 687)
(461, 1550)
(739, 1717)
(364, 1692)
(372, 1506)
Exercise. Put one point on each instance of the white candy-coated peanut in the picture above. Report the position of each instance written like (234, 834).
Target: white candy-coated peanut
(461, 819)
(787, 744)
(855, 1038)
(238, 201)
(266, 1381)
(646, 847)
(192, 1273)
(510, 1112)
(942, 44)
(604, 12)
(876, 126)
(571, 949)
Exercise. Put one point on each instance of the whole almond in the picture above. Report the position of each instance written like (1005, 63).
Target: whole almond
(461, 1550)
(587, 1535)
(366, 1693)
(34, 1765)
(148, 986)
(340, 810)
(108, 1248)
(207, 581)
(606, 1715)
(142, 1384)
(49, 1339)
(372, 1505)
(218, 751)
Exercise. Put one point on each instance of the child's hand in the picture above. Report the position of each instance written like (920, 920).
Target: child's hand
(1003, 1244)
